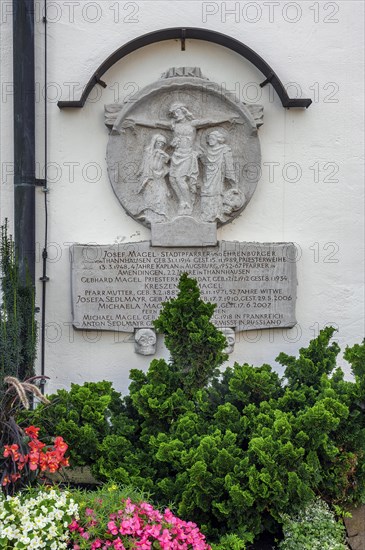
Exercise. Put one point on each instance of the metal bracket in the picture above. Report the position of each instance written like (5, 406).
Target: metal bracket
(268, 80)
(196, 34)
(40, 182)
(99, 81)
(183, 36)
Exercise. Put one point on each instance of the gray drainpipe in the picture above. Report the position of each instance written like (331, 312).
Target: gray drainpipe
(24, 134)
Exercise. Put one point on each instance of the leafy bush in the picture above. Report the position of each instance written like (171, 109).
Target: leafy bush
(229, 542)
(314, 528)
(18, 329)
(232, 452)
(82, 416)
(196, 346)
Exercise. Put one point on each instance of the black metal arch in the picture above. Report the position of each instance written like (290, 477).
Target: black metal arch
(182, 34)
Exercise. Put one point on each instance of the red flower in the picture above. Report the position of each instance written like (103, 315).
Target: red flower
(33, 460)
(40, 457)
(11, 450)
(23, 459)
(60, 444)
(6, 480)
(64, 462)
(36, 445)
(14, 477)
(32, 432)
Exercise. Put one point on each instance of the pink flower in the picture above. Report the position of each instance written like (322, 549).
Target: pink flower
(129, 507)
(137, 526)
(73, 526)
(112, 528)
(118, 545)
(126, 527)
(146, 507)
(144, 545)
(153, 530)
(165, 536)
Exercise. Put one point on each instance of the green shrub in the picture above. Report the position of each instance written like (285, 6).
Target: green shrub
(232, 452)
(236, 454)
(18, 329)
(82, 416)
(229, 542)
(196, 346)
(313, 528)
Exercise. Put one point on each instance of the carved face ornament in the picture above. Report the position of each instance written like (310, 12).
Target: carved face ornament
(145, 341)
(230, 337)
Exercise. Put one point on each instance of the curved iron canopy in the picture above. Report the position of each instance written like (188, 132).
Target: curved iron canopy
(182, 34)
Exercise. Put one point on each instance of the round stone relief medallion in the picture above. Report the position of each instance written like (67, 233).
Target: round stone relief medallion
(183, 148)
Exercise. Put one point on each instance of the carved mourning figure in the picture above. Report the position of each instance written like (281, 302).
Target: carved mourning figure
(218, 168)
(231, 339)
(153, 183)
(145, 341)
(179, 148)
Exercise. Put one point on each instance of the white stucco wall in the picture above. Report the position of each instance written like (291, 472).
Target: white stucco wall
(310, 192)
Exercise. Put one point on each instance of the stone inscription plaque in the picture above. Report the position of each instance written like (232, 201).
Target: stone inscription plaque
(121, 287)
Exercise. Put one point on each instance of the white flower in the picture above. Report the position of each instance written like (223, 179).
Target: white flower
(36, 522)
(53, 531)
(8, 532)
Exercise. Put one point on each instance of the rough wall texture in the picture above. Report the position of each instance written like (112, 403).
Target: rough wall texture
(310, 190)
(355, 527)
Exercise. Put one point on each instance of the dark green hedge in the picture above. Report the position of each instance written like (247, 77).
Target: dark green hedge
(232, 452)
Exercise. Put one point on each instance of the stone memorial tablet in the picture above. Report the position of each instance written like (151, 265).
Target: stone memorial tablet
(183, 158)
(122, 287)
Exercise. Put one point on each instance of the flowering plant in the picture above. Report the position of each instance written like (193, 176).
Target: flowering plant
(129, 525)
(22, 454)
(314, 527)
(40, 458)
(36, 520)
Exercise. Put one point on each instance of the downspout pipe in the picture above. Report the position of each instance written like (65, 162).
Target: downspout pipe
(24, 135)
